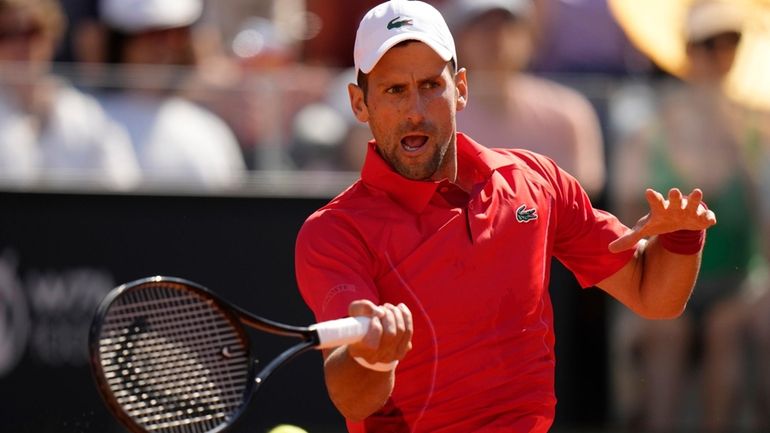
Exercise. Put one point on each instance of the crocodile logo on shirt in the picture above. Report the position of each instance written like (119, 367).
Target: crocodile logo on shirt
(394, 23)
(524, 215)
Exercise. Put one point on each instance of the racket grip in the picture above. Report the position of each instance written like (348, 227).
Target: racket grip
(339, 332)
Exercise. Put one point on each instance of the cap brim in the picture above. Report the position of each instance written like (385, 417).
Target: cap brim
(371, 61)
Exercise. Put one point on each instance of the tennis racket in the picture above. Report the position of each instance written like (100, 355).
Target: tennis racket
(169, 356)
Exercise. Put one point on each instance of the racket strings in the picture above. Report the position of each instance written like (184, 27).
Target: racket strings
(173, 360)
(182, 410)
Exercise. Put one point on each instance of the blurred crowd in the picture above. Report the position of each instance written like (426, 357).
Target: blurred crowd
(203, 94)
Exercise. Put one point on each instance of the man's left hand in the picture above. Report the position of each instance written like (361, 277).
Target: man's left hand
(676, 213)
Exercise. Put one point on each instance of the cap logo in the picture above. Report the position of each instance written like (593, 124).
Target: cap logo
(395, 23)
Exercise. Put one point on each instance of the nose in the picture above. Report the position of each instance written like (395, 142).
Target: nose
(415, 107)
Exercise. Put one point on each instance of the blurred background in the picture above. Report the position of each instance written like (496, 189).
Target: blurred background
(192, 138)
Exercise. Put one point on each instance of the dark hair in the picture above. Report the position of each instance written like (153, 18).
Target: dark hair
(713, 42)
(362, 79)
(118, 40)
(49, 12)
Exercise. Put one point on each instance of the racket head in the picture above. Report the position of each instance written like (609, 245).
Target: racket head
(168, 356)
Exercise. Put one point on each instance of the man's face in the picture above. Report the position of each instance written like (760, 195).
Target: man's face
(507, 42)
(712, 59)
(159, 47)
(24, 38)
(411, 103)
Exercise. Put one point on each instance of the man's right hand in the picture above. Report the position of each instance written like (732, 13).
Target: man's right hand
(358, 391)
(390, 333)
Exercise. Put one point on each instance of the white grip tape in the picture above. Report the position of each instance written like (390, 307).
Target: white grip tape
(340, 332)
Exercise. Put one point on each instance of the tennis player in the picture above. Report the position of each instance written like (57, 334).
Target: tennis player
(464, 235)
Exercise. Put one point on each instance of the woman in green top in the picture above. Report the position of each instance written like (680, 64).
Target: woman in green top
(698, 138)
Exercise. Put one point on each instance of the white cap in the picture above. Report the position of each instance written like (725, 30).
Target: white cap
(396, 21)
(710, 18)
(133, 16)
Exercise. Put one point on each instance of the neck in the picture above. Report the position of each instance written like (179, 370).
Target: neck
(32, 98)
(463, 182)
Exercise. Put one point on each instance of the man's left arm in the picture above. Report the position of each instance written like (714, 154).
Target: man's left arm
(657, 282)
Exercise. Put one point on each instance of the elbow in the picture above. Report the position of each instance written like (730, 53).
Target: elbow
(356, 412)
(664, 301)
(668, 312)
(355, 405)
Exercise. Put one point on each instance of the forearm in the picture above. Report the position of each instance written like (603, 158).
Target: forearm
(356, 391)
(665, 280)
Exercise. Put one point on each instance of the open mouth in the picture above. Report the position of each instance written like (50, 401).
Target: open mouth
(413, 142)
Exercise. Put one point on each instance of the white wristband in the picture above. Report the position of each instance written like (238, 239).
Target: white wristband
(377, 366)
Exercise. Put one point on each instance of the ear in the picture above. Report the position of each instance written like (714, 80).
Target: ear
(360, 110)
(461, 84)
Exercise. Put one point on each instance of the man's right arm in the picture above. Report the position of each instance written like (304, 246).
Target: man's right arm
(358, 391)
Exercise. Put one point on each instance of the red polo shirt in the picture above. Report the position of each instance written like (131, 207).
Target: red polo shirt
(474, 271)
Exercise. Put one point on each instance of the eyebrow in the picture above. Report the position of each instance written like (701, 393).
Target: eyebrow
(431, 78)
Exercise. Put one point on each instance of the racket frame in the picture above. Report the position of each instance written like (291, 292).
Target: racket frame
(236, 315)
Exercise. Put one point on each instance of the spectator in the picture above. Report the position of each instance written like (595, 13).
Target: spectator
(49, 131)
(334, 42)
(529, 112)
(699, 137)
(257, 85)
(336, 145)
(177, 141)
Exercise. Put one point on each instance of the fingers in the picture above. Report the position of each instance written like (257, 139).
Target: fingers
(637, 233)
(402, 338)
(396, 332)
(391, 321)
(625, 242)
(655, 200)
(371, 340)
(406, 343)
(695, 204)
(390, 333)
(694, 200)
(365, 307)
(711, 218)
(675, 199)
(678, 212)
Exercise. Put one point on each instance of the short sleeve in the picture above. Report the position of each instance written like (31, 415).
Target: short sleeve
(583, 233)
(333, 265)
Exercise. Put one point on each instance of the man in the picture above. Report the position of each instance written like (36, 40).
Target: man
(177, 141)
(49, 131)
(463, 235)
(513, 108)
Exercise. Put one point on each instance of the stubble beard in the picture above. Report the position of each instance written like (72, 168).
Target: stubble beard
(421, 172)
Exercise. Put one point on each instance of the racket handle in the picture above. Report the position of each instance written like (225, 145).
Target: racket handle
(339, 332)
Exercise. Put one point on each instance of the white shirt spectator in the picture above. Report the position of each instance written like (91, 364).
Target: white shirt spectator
(73, 141)
(178, 141)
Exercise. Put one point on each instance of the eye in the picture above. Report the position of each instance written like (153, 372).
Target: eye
(430, 85)
(394, 89)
